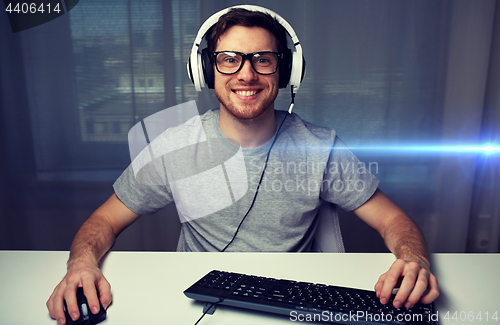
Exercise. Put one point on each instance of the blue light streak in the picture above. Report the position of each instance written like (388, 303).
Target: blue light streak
(487, 149)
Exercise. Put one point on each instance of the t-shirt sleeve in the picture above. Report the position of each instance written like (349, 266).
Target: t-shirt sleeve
(347, 182)
(144, 193)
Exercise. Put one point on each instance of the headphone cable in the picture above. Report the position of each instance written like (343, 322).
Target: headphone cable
(260, 181)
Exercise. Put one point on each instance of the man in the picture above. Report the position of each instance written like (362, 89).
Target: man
(269, 220)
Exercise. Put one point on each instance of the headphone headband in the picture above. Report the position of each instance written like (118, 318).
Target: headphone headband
(195, 64)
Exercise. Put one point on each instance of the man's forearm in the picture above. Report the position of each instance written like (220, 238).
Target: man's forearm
(403, 237)
(94, 238)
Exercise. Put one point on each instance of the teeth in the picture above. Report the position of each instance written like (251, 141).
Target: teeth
(246, 92)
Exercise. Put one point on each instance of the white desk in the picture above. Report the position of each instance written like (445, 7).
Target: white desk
(147, 287)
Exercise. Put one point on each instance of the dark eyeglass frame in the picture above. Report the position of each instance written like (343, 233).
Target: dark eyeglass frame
(247, 56)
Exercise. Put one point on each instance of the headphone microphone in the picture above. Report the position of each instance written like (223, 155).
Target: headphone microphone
(200, 66)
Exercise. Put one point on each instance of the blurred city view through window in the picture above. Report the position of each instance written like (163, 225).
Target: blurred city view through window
(120, 63)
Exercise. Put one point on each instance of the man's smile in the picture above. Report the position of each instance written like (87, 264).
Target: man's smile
(246, 93)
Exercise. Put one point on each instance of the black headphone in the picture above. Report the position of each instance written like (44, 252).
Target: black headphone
(200, 65)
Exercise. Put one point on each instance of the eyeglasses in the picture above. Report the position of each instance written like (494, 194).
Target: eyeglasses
(230, 62)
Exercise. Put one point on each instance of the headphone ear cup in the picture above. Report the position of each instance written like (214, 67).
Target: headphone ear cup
(193, 68)
(190, 70)
(303, 69)
(208, 68)
(298, 69)
(285, 68)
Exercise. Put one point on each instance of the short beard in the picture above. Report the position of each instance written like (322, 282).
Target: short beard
(243, 112)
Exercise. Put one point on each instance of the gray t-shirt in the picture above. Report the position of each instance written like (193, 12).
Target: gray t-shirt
(307, 164)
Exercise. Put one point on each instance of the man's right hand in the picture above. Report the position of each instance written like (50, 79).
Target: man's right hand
(95, 237)
(83, 275)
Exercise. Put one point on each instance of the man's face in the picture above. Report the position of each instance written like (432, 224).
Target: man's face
(246, 94)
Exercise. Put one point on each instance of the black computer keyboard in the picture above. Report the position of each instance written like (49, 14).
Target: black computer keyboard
(303, 301)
